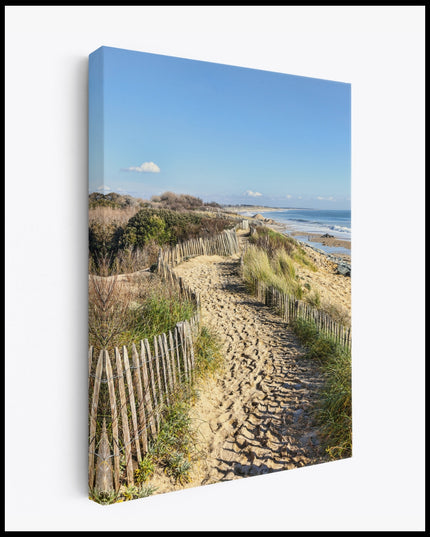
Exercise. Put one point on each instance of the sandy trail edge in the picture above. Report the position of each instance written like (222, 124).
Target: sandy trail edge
(254, 416)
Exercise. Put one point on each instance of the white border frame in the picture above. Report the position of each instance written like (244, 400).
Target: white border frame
(380, 51)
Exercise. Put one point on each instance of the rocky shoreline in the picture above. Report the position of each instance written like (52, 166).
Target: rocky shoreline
(343, 261)
(343, 267)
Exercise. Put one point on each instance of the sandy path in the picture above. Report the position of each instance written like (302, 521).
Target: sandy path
(253, 417)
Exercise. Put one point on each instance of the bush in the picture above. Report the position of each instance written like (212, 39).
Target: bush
(145, 469)
(144, 227)
(166, 226)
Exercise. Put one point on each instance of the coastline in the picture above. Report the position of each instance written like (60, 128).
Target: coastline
(340, 248)
(325, 241)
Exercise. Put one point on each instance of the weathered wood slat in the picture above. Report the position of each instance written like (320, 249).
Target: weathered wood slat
(168, 362)
(90, 359)
(137, 435)
(114, 415)
(180, 370)
(157, 368)
(190, 347)
(172, 358)
(152, 382)
(93, 420)
(124, 418)
(141, 404)
(179, 330)
(164, 367)
(147, 391)
(104, 477)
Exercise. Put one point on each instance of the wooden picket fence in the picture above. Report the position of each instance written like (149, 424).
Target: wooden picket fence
(128, 396)
(226, 243)
(290, 309)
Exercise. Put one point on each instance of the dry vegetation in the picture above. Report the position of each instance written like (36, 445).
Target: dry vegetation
(128, 232)
(276, 260)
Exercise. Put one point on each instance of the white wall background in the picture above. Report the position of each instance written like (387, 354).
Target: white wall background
(380, 50)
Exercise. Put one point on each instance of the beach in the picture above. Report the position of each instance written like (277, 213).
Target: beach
(255, 416)
(337, 243)
(332, 242)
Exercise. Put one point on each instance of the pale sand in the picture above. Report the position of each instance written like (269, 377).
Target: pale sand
(333, 288)
(327, 241)
(254, 416)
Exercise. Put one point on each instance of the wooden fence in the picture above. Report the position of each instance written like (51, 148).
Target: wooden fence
(226, 243)
(290, 309)
(127, 397)
(127, 394)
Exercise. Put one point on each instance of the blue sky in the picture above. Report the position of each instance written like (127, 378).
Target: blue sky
(223, 133)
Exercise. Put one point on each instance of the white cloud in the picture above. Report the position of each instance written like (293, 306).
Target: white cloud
(103, 188)
(330, 198)
(288, 196)
(148, 167)
(253, 194)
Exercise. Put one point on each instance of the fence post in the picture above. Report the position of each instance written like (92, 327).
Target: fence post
(142, 395)
(124, 418)
(104, 478)
(93, 420)
(172, 357)
(115, 436)
(145, 345)
(163, 363)
(133, 410)
(167, 359)
(177, 354)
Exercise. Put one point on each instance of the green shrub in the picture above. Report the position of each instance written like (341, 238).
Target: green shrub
(176, 433)
(103, 497)
(145, 226)
(178, 467)
(145, 469)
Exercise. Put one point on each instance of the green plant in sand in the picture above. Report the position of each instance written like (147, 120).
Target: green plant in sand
(334, 409)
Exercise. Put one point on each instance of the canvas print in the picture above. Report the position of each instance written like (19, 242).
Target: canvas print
(219, 273)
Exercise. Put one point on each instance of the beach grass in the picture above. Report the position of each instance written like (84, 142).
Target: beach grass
(125, 314)
(271, 241)
(175, 449)
(333, 410)
(271, 259)
(275, 271)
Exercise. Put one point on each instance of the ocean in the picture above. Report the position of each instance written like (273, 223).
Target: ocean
(333, 222)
